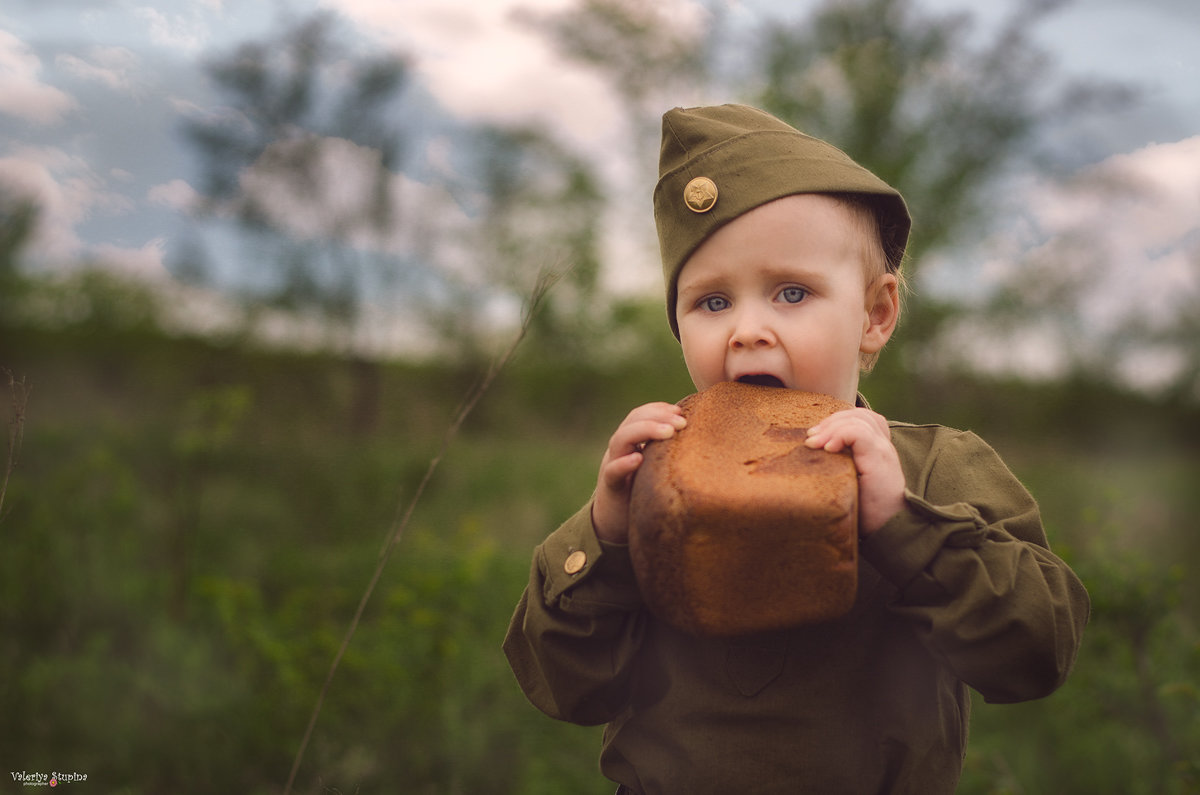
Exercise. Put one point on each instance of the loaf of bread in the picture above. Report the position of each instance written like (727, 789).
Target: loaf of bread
(736, 526)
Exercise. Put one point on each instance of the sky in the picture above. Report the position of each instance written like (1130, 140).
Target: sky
(94, 93)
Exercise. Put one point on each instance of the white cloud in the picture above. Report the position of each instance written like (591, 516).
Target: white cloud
(144, 263)
(1105, 256)
(113, 67)
(313, 187)
(220, 115)
(333, 198)
(67, 192)
(1129, 229)
(481, 63)
(176, 194)
(174, 32)
(1035, 350)
(485, 61)
(22, 93)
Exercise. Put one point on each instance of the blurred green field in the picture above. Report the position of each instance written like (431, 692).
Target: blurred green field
(191, 527)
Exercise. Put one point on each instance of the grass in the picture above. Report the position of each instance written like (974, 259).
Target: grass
(191, 527)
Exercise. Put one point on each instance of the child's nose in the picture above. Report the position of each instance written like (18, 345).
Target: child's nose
(751, 330)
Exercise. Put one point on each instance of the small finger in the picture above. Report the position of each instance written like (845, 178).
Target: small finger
(639, 432)
(619, 469)
(816, 437)
(834, 445)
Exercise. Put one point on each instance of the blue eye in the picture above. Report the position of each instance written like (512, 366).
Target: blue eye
(715, 303)
(793, 295)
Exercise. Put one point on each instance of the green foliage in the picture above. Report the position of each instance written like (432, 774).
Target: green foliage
(18, 218)
(1125, 721)
(191, 528)
(186, 539)
(192, 522)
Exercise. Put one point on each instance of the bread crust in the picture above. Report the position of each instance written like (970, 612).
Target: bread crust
(736, 526)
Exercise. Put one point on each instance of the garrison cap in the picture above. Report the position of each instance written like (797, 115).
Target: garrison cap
(719, 162)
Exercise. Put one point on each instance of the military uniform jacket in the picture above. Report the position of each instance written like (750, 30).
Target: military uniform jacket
(958, 589)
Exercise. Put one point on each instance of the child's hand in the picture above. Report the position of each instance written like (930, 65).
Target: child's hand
(610, 509)
(880, 479)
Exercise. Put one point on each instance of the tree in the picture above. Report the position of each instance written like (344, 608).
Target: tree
(307, 159)
(303, 158)
(918, 97)
(1115, 257)
(903, 93)
(18, 218)
(910, 95)
(543, 208)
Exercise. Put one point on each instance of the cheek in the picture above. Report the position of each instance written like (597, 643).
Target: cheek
(702, 354)
(845, 328)
(694, 354)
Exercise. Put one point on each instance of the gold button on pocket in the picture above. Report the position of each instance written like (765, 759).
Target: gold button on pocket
(575, 562)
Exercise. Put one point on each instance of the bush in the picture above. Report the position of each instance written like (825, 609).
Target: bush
(191, 528)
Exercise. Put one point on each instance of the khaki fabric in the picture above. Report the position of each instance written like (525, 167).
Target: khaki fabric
(958, 590)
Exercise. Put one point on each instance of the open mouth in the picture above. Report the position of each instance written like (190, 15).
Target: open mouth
(761, 379)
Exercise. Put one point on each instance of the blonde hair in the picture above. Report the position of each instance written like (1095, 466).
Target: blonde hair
(877, 258)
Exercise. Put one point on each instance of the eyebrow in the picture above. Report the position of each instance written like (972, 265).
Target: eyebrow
(803, 276)
(707, 285)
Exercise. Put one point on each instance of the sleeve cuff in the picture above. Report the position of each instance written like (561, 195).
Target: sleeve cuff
(575, 561)
(909, 542)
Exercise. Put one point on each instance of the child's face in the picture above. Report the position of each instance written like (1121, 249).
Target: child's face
(781, 293)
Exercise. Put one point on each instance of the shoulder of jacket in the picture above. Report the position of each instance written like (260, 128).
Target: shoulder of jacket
(930, 436)
(924, 428)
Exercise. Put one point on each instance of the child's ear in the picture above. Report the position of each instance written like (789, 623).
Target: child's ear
(882, 313)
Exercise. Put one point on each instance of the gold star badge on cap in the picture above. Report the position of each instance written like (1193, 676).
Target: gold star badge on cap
(700, 195)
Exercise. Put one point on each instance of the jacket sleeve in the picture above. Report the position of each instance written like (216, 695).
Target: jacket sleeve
(577, 626)
(974, 573)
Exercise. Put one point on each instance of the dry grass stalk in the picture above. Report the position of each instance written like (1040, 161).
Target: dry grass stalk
(19, 396)
(545, 281)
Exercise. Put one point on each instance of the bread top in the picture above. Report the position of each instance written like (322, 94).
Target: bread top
(745, 444)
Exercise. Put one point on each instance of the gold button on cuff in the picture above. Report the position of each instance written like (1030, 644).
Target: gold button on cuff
(700, 195)
(575, 562)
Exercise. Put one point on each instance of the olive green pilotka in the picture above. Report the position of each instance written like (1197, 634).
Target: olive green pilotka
(719, 162)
